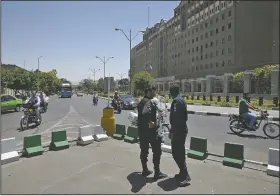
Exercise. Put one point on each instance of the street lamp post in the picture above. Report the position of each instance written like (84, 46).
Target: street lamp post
(104, 61)
(38, 70)
(94, 71)
(130, 40)
(121, 75)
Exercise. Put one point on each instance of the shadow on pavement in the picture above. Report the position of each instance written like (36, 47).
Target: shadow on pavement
(251, 136)
(169, 184)
(8, 112)
(137, 181)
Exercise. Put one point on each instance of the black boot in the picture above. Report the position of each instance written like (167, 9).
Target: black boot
(158, 174)
(184, 179)
(145, 171)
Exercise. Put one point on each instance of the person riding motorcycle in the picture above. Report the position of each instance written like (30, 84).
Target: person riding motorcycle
(116, 99)
(95, 97)
(244, 112)
(35, 101)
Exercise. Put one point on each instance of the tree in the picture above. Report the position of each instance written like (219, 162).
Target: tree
(100, 84)
(140, 80)
(87, 85)
(124, 81)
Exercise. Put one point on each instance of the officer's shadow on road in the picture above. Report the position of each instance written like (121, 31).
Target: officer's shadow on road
(251, 136)
(137, 181)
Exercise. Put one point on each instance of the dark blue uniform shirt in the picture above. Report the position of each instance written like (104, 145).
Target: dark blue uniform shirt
(178, 114)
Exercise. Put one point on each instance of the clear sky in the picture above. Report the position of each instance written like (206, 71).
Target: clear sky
(70, 34)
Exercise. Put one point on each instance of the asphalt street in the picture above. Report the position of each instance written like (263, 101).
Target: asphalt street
(70, 114)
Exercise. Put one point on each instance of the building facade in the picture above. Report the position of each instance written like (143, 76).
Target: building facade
(211, 37)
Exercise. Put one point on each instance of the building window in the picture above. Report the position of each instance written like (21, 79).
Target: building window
(217, 64)
(189, 51)
(229, 26)
(217, 42)
(196, 48)
(211, 22)
(206, 56)
(223, 64)
(223, 40)
(201, 67)
(211, 65)
(211, 55)
(196, 29)
(189, 33)
(201, 27)
(192, 40)
(211, 44)
(206, 24)
(229, 37)
(193, 31)
(217, 31)
(217, 53)
(223, 52)
(201, 37)
(196, 39)
(223, 16)
(192, 59)
(206, 35)
(211, 33)
(217, 20)
(223, 28)
(229, 13)
(206, 66)
(206, 45)
(201, 57)
(229, 50)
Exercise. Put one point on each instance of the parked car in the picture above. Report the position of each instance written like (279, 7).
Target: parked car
(128, 102)
(9, 102)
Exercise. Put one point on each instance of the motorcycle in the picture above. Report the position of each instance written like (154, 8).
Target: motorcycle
(163, 126)
(43, 108)
(95, 101)
(238, 124)
(29, 117)
(117, 105)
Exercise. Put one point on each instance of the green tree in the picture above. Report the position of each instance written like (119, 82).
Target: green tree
(100, 84)
(87, 85)
(140, 80)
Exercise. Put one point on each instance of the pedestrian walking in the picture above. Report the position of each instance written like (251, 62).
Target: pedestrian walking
(178, 133)
(147, 129)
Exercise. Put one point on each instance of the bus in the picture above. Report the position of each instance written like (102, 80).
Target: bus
(66, 90)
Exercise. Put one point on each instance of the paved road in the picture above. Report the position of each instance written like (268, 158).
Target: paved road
(113, 167)
(72, 113)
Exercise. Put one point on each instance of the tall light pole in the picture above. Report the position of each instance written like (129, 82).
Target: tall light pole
(94, 71)
(38, 70)
(104, 61)
(130, 40)
(121, 75)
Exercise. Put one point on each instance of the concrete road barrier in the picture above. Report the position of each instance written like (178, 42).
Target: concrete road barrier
(234, 155)
(273, 162)
(59, 141)
(85, 135)
(131, 135)
(120, 132)
(198, 148)
(166, 146)
(32, 146)
(99, 134)
(8, 151)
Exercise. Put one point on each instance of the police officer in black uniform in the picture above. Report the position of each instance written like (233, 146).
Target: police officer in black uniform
(147, 129)
(178, 133)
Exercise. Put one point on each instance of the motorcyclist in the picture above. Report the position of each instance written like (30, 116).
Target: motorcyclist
(116, 98)
(95, 97)
(42, 99)
(35, 101)
(244, 112)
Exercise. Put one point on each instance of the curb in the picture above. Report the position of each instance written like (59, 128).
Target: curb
(205, 113)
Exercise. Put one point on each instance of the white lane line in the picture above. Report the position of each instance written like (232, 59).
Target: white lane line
(62, 125)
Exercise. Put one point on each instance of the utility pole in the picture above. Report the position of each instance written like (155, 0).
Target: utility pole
(94, 71)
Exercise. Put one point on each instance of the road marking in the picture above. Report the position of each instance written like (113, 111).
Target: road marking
(69, 125)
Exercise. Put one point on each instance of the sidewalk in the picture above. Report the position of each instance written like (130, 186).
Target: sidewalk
(112, 167)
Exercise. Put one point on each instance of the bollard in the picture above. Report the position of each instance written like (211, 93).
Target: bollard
(260, 101)
(211, 98)
(275, 101)
(108, 121)
(236, 99)
(227, 99)
(204, 98)
(187, 97)
(197, 97)
(192, 97)
(219, 98)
